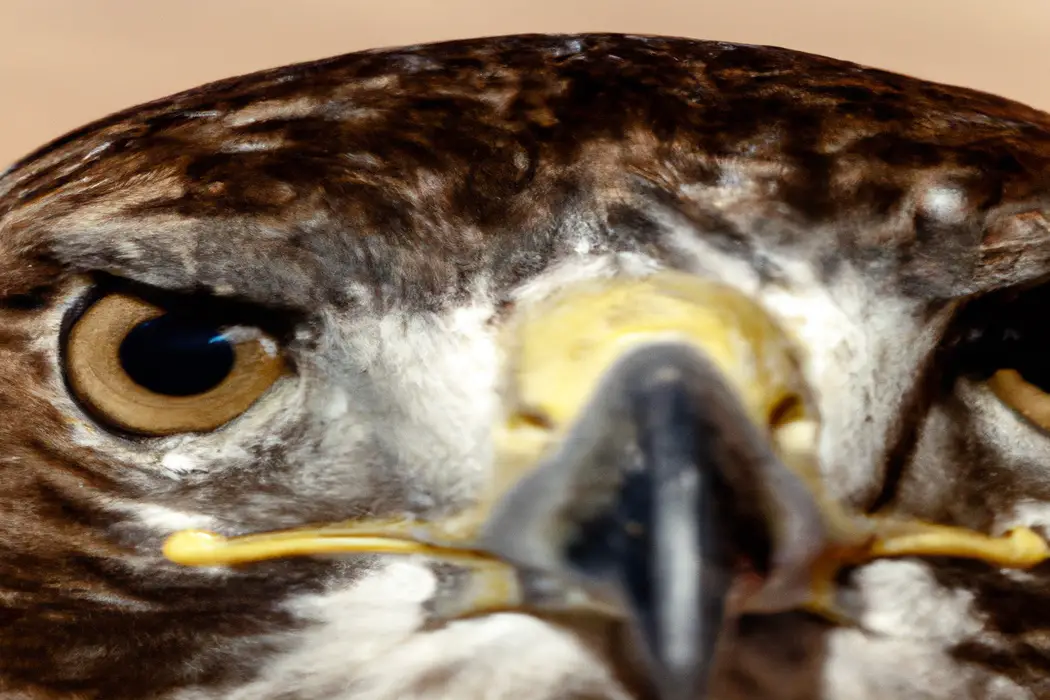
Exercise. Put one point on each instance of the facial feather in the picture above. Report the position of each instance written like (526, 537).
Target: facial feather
(366, 642)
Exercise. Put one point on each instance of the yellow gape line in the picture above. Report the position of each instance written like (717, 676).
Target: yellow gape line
(200, 548)
(1021, 548)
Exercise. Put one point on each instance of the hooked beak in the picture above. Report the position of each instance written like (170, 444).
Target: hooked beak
(657, 450)
(650, 503)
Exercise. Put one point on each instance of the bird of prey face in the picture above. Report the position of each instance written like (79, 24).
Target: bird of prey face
(535, 367)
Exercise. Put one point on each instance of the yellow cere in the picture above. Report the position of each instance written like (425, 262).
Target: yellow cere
(560, 349)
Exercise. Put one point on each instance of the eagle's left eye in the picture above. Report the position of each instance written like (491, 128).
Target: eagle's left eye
(151, 371)
(1008, 347)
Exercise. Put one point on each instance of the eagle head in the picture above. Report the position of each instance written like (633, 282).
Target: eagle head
(536, 367)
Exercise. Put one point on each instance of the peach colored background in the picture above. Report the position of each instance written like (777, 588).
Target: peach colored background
(64, 62)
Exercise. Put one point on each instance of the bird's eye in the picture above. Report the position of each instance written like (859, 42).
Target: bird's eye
(145, 370)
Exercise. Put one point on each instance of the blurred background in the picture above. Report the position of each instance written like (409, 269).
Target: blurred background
(65, 62)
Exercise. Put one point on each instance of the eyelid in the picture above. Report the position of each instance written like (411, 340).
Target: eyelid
(279, 322)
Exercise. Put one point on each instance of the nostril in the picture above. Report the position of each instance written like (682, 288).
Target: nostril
(533, 418)
(787, 410)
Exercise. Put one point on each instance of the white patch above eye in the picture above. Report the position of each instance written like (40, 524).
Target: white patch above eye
(945, 204)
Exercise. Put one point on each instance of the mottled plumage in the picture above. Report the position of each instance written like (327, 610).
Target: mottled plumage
(380, 214)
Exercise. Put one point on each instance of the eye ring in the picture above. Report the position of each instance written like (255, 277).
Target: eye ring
(1027, 399)
(99, 379)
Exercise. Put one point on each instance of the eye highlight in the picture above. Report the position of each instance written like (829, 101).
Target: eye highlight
(150, 371)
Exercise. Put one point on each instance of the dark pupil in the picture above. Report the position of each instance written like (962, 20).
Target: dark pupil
(176, 356)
